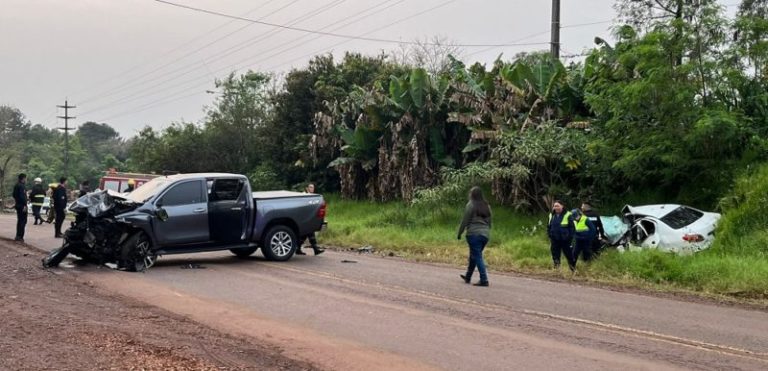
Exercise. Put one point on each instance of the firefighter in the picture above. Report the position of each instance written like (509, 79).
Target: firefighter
(131, 184)
(60, 205)
(594, 216)
(560, 230)
(20, 205)
(37, 196)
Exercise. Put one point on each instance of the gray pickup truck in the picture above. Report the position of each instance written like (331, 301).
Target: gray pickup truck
(188, 213)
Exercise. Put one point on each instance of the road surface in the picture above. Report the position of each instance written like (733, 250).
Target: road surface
(362, 312)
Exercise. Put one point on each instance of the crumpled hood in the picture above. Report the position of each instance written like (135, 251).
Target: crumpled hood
(99, 203)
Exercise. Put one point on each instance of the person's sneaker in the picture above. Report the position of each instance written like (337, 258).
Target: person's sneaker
(481, 284)
(465, 278)
(299, 252)
(58, 236)
(318, 250)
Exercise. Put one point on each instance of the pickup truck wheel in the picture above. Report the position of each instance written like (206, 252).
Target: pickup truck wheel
(137, 254)
(279, 243)
(244, 252)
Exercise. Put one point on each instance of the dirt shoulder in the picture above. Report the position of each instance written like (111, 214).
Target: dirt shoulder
(49, 320)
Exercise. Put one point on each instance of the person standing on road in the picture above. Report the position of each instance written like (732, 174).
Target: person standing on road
(585, 232)
(594, 216)
(560, 231)
(37, 196)
(50, 216)
(85, 188)
(312, 238)
(20, 205)
(477, 223)
(60, 205)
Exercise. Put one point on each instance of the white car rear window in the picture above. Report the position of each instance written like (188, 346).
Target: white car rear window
(681, 217)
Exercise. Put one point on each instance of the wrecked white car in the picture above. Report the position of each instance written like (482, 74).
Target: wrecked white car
(668, 227)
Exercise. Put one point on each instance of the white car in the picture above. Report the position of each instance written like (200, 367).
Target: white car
(669, 227)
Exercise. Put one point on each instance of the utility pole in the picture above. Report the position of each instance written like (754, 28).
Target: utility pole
(555, 29)
(66, 130)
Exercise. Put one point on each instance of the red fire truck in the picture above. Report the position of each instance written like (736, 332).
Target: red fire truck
(118, 182)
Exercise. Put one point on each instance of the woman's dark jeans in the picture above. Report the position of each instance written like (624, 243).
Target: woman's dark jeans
(476, 247)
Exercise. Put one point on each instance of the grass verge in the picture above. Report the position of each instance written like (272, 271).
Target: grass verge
(519, 244)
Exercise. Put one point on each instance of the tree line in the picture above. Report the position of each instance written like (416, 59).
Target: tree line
(673, 109)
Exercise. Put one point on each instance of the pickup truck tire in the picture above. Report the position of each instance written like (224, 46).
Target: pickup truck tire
(279, 243)
(137, 254)
(244, 252)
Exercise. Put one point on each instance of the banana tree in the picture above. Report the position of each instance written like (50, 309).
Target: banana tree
(393, 138)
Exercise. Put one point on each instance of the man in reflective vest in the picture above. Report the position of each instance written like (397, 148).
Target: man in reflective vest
(37, 196)
(560, 230)
(585, 234)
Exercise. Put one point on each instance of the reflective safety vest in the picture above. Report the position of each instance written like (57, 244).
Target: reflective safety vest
(581, 224)
(38, 200)
(566, 218)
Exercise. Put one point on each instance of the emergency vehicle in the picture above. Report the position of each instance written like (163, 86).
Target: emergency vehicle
(118, 182)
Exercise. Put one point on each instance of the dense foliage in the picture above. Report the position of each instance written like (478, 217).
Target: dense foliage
(672, 110)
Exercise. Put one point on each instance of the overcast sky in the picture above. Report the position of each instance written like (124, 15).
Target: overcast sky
(132, 63)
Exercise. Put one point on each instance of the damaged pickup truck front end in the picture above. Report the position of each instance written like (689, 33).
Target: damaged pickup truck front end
(103, 232)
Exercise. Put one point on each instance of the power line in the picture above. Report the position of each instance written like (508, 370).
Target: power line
(139, 79)
(343, 36)
(544, 33)
(353, 19)
(357, 20)
(229, 67)
(401, 20)
(139, 94)
(189, 42)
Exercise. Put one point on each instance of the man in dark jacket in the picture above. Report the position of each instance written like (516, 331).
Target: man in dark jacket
(312, 239)
(60, 205)
(594, 216)
(560, 230)
(20, 204)
(37, 197)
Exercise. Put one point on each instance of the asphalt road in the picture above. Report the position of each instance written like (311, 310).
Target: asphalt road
(379, 313)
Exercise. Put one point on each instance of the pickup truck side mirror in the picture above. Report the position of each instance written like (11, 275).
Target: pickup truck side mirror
(162, 214)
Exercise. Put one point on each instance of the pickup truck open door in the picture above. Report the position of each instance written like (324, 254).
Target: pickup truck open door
(229, 210)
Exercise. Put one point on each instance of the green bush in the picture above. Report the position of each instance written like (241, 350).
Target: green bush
(743, 230)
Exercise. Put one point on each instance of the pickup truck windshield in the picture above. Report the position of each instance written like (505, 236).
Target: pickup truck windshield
(149, 189)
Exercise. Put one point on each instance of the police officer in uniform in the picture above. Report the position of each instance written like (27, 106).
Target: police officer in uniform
(584, 235)
(37, 196)
(560, 230)
(594, 216)
(60, 205)
(20, 205)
